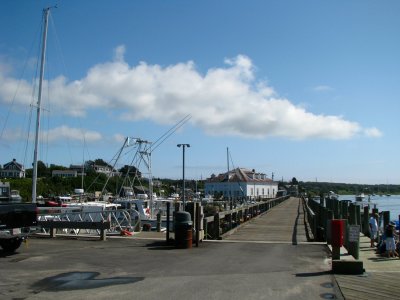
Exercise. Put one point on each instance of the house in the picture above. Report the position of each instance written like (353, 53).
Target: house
(241, 182)
(78, 168)
(64, 173)
(13, 169)
(4, 191)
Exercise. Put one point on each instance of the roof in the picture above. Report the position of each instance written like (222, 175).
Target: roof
(13, 162)
(240, 175)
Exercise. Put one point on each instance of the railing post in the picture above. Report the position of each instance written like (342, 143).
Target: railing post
(216, 227)
(168, 220)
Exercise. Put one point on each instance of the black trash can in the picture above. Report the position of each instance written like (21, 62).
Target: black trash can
(183, 226)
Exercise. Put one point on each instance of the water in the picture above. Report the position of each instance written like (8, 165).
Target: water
(383, 203)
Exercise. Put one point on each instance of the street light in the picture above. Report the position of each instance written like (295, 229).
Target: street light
(183, 171)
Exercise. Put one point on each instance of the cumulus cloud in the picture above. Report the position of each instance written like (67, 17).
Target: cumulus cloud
(227, 100)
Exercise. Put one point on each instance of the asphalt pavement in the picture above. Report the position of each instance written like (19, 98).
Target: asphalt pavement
(131, 268)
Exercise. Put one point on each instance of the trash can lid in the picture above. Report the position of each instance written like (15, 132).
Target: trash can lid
(182, 217)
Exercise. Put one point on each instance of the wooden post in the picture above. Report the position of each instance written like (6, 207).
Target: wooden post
(168, 220)
(352, 214)
(366, 221)
(205, 226)
(345, 209)
(53, 232)
(336, 211)
(358, 215)
(197, 211)
(103, 235)
(216, 227)
(328, 231)
(158, 222)
(386, 219)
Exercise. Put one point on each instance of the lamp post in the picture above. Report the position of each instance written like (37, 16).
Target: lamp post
(183, 172)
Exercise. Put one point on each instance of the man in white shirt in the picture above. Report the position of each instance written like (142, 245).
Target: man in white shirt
(373, 228)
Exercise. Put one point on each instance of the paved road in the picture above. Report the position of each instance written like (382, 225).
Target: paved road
(131, 268)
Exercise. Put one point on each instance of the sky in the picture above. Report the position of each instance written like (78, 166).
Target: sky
(305, 89)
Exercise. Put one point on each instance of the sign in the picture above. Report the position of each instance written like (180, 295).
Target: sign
(354, 233)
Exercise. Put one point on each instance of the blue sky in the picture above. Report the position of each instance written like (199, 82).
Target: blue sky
(305, 89)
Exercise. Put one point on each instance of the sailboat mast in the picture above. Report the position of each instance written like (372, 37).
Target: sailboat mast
(38, 108)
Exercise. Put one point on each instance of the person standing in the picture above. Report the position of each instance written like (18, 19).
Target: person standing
(373, 228)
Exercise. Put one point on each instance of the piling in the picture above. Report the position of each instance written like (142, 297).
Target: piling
(366, 221)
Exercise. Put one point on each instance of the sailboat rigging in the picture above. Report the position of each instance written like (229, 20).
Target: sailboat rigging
(46, 12)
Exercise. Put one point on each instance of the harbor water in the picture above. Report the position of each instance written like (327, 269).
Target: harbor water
(383, 203)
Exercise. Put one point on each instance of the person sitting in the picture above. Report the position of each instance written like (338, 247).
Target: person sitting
(381, 247)
(390, 242)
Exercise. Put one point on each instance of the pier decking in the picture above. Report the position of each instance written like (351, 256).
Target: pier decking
(379, 280)
(282, 224)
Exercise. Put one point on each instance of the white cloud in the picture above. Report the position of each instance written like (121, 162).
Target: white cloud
(65, 132)
(60, 133)
(223, 101)
(119, 138)
(322, 88)
(373, 132)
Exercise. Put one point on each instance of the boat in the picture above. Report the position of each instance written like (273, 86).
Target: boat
(332, 195)
(360, 197)
(15, 196)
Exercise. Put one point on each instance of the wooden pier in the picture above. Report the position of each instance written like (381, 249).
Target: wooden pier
(282, 224)
(286, 223)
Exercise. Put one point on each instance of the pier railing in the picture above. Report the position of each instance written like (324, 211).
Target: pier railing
(356, 216)
(310, 219)
(74, 221)
(222, 222)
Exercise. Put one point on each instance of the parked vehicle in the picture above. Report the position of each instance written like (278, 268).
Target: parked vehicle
(15, 219)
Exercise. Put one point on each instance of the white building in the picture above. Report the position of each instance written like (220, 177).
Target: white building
(64, 173)
(13, 169)
(241, 183)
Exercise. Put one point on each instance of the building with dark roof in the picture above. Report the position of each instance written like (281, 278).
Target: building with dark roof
(241, 182)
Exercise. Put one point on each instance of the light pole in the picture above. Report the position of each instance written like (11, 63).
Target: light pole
(183, 172)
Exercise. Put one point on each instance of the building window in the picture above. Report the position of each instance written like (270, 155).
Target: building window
(252, 191)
